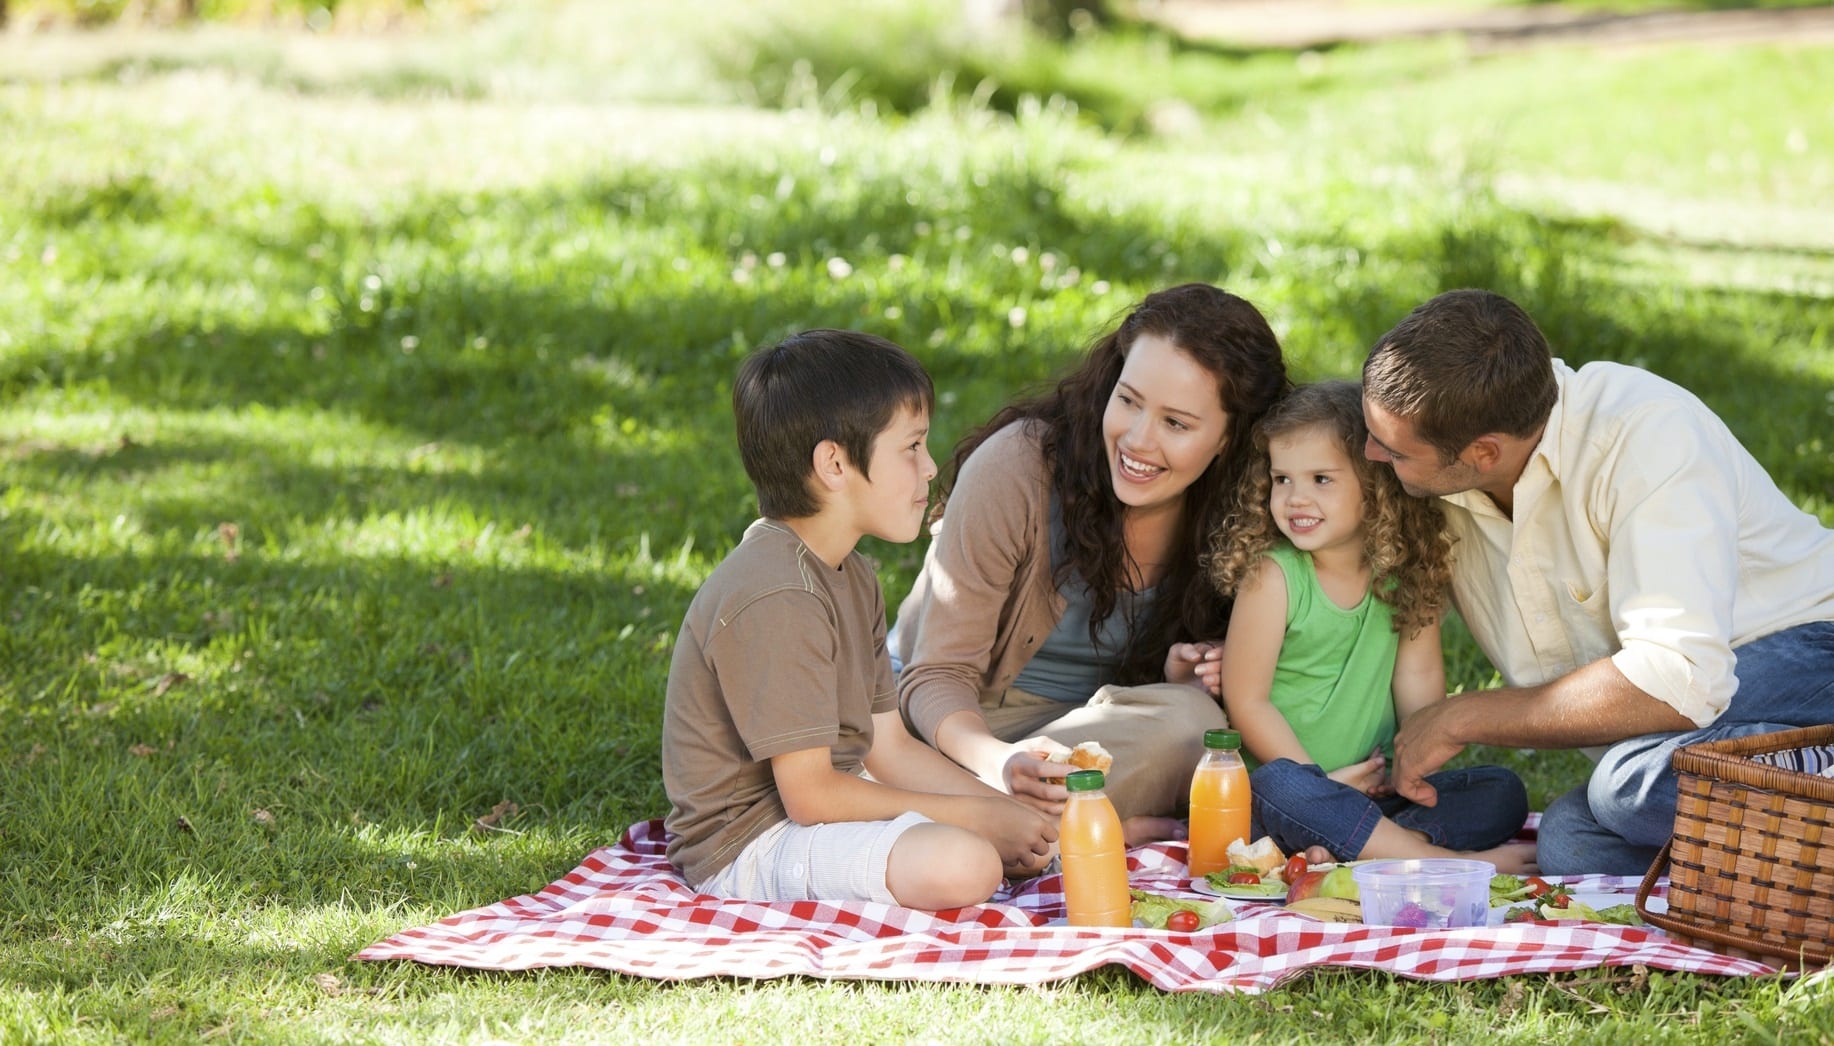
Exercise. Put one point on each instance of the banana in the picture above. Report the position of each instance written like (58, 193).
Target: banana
(1329, 909)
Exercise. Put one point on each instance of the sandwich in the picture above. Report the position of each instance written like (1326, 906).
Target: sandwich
(1090, 755)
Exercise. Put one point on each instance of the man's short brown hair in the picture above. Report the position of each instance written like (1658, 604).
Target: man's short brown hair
(1462, 365)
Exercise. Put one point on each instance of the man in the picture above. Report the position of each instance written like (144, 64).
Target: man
(1631, 570)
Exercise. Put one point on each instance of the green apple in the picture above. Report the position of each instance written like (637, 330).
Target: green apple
(1339, 882)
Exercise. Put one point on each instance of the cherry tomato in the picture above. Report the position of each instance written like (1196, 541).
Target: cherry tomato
(1296, 866)
(1536, 885)
(1557, 897)
(1522, 914)
(1244, 878)
(1182, 921)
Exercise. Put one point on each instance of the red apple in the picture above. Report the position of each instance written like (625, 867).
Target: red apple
(1305, 886)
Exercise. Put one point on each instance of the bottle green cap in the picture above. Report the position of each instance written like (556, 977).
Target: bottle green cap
(1222, 739)
(1084, 781)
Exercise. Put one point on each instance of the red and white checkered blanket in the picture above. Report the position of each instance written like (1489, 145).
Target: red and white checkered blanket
(626, 909)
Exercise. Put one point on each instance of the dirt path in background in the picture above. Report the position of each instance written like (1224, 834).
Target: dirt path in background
(1317, 23)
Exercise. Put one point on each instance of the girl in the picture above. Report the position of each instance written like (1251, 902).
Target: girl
(1065, 561)
(1339, 580)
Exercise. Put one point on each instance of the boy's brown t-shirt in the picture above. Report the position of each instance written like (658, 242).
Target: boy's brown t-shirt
(778, 652)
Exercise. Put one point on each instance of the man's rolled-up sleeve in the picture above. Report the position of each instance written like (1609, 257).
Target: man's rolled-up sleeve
(1668, 502)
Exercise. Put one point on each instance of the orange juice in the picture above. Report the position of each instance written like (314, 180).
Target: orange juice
(1094, 855)
(1219, 802)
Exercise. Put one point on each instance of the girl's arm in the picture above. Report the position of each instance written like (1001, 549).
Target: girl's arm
(1420, 672)
(1257, 628)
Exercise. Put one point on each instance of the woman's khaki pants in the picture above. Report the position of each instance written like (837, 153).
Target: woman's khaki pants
(1155, 734)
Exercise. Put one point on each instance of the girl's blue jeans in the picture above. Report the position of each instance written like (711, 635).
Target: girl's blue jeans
(1617, 821)
(1295, 803)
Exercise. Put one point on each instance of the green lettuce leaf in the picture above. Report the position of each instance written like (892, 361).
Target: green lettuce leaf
(1507, 888)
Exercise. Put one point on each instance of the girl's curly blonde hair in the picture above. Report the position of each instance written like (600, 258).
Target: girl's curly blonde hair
(1404, 538)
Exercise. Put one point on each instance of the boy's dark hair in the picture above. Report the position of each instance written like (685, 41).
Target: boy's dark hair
(818, 385)
(1226, 336)
(1463, 364)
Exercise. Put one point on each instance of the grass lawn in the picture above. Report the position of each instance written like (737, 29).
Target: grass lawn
(364, 432)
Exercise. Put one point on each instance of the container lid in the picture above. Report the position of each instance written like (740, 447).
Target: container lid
(1084, 781)
(1423, 870)
(1222, 739)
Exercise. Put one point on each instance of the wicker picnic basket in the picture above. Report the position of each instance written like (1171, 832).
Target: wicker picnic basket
(1751, 863)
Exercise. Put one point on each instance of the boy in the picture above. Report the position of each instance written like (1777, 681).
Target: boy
(780, 697)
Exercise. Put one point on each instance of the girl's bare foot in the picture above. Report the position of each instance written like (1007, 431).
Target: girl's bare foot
(1511, 858)
(1143, 829)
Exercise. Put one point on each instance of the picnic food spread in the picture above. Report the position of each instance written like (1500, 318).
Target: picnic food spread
(1260, 873)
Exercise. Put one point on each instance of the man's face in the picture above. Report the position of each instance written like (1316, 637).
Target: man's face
(1417, 464)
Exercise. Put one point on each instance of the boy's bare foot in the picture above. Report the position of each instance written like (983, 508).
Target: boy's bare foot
(1143, 829)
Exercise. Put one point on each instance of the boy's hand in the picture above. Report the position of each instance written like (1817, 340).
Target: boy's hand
(1025, 838)
(1369, 777)
(1196, 664)
(1031, 777)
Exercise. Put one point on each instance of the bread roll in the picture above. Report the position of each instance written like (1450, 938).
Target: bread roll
(1090, 755)
(1262, 855)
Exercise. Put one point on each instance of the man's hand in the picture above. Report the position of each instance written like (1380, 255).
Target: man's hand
(1025, 838)
(1426, 741)
(1196, 664)
(1033, 778)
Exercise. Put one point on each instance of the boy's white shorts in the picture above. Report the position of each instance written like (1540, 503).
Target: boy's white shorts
(844, 861)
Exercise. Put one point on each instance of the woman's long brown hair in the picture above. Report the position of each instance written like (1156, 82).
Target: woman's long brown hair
(1226, 336)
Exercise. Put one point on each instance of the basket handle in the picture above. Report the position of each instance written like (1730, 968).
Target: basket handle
(1656, 869)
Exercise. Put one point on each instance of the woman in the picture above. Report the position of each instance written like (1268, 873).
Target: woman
(1063, 573)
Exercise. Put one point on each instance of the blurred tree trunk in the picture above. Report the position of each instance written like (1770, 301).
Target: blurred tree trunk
(2, 14)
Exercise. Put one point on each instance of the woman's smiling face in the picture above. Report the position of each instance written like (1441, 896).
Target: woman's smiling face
(1164, 424)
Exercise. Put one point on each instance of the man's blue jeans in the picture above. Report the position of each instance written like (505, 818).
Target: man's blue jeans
(1297, 805)
(1617, 821)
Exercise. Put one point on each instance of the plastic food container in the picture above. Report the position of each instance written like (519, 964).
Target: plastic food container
(1427, 893)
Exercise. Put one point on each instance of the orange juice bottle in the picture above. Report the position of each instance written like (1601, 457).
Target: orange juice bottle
(1219, 802)
(1094, 855)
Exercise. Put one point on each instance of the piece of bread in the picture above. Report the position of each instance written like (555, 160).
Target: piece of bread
(1090, 755)
(1262, 855)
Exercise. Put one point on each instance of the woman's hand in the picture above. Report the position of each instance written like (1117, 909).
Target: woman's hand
(1033, 778)
(1196, 664)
